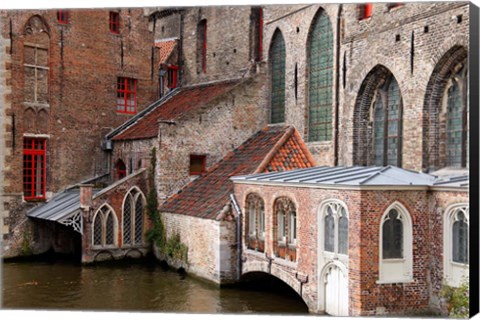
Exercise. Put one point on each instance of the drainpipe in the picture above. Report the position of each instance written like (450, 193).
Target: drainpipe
(337, 86)
(239, 235)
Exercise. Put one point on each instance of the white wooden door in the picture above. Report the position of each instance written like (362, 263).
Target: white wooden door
(336, 292)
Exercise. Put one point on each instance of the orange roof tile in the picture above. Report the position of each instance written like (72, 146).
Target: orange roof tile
(166, 49)
(206, 196)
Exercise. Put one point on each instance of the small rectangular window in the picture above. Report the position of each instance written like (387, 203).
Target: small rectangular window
(114, 22)
(197, 164)
(62, 16)
(172, 76)
(365, 11)
(34, 168)
(126, 95)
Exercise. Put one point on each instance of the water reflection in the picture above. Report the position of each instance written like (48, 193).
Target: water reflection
(130, 287)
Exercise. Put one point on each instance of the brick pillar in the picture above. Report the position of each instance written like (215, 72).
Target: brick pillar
(85, 207)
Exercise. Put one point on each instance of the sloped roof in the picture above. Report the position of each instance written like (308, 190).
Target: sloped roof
(166, 48)
(347, 176)
(462, 181)
(207, 195)
(183, 101)
(61, 206)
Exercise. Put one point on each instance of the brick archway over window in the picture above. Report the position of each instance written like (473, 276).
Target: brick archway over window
(379, 79)
(434, 123)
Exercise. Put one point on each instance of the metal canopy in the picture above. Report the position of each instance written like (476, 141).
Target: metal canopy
(63, 208)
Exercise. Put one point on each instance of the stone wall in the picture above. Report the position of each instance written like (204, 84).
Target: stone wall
(211, 246)
(214, 130)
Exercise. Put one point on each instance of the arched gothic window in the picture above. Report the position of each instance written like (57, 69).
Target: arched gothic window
(456, 257)
(285, 229)
(335, 228)
(255, 235)
(396, 253)
(387, 133)
(133, 208)
(456, 129)
(320, 78)
(104, 228)
(276, 59)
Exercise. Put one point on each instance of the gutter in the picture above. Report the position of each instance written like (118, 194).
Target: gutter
(239, 234)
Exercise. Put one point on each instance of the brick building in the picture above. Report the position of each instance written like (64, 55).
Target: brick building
(225, 91)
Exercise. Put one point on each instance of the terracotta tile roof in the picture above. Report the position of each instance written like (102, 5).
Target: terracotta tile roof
(206, 196)
(166, 49)
(184, 101)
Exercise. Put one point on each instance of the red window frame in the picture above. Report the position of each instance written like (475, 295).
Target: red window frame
(34, 168)
(203, 158)
(121, 169)
(365, 11)
(172, 76)
(126, 95)
(114, 22)
(62, 16)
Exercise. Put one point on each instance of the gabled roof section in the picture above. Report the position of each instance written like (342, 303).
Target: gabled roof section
(166, 47)
(269, 148)
(345, 176)
(183, 101)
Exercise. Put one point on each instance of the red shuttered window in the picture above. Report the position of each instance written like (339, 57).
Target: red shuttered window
(172, 76)
(365, 11)
(62, 16)
(114, 22)
(34, 168)
(126, 95)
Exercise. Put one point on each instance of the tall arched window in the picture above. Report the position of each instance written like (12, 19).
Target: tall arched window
(276, 59)
(388, 125)
(320, 78)
(455, 243)
(445, 125)
(255, 235)
(132, 224)
(104, 228)
(285, 229)
(335, 227)
(396, 256)
(456, 131)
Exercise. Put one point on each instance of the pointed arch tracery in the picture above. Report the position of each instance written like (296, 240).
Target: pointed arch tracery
(276, 57)
(133, 218)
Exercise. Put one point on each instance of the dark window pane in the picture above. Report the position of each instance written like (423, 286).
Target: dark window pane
(127, 221)
(454, 144)
(277, 67)
(392, 242)
(139, 221)
(109, 229)
(97, 229)
(460, 240)
(343, 233)
(329, 232)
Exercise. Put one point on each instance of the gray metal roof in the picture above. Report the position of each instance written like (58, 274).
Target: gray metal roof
(347, 176)
(58, 208)
(457, 181)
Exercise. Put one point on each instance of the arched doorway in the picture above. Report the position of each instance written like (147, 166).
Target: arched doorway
(336, 290)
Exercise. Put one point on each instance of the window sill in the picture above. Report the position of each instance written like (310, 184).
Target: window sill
(404, 280)
(459, 264)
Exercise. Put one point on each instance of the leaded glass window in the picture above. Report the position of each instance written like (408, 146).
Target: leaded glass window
(320, 79)
(104, 228)
(460, 239)
(255, 231)
(455, 123)
(252, 218)
(329, 231)
(392, 236)
(343, 233)
(387, 118)
(277, 80)
(133, 208)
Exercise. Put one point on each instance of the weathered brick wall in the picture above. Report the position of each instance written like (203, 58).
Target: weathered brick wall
(134, 153)
(440, 201)
(365, 209)
(215, 130)
(84, 61)
(371, 42)
(228, 38)
(114, 196)
(211, 245)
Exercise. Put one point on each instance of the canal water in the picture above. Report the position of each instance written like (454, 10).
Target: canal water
(134, 286)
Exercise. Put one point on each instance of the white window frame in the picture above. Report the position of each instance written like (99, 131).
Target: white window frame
(103, 221)
(336, 206)
(453, 272)
(389, 268)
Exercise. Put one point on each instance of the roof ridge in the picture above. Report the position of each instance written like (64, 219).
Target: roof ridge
(287, 134)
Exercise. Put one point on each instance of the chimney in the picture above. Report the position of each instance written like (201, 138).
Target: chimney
(86, 196)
